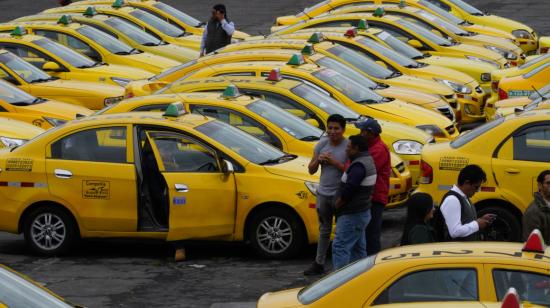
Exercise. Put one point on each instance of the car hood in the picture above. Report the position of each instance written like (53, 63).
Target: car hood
(240, 35)
(122, 71)
(281, 299)
(422, 85)
(411, 114)
(412, 96)
(513, 102)
(149, 59)
(178, 53)
(496, 41)
(76, 88)
(459, 64)
(294, 169)
(447, 73)
(489, 31)
(503, 23)
(477, 51)
(19, 130)
(55, 109)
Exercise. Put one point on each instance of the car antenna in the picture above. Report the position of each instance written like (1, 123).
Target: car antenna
(540, 95)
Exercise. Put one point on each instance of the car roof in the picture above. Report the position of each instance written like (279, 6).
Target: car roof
(24, 37)
(37, 23)
(192, 97)
(155, 118)
(273, 64)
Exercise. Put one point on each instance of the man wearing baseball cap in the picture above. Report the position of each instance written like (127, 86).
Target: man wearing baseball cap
(371, 130)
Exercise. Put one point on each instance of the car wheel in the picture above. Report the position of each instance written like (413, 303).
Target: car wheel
(276, 233)
(505, 228)
(49, 231)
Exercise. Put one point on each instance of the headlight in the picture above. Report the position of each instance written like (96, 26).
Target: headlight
(486, 77)
(407, 147)
(55, 122)
(457, 87)
(11, 142)
(522, 34)
(112, 100)
(432, 130)
(312, 186)
(121, 81)
(493, 63)
(503, 52)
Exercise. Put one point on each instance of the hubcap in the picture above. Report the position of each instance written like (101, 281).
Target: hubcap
(274, 234)
(48, 231)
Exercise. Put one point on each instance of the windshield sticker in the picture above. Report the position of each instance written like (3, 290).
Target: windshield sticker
(92, 189)
(453, 163)
(19, 164)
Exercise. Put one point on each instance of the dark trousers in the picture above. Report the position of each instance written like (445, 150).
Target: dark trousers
(374, 228)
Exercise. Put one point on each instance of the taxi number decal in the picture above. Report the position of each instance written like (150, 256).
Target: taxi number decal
(92, 189)
(179, 201)
(19, 164)
(453, 163)
(512, 93)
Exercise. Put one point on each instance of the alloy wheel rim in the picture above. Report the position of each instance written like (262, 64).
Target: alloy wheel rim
(274, 234)
(48, 231)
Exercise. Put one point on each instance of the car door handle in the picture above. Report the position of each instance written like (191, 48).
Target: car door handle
(63, 174)
(181, 188)
(512, 170)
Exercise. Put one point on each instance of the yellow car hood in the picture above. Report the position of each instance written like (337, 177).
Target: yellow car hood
(495, 41)
(414, 115)
(58, 110)
(76, 88)
(150, 59)
(19, 130)
(503, 23)
(175, 52)
(294, 169)
(412, 96)
(422, 85)
(122, 71)
(459, 64)
(513, 102)
(477, 51)
(281, 299)
(240, 35)
(447, 73)
(489, 31)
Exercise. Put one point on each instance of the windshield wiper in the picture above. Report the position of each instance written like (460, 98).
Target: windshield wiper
(394, 74)
(92, 65)
(182, 34)
(368, 101)
(310, 138)
(412, 66)
(148, 44)
(278, 159)
(43, 79)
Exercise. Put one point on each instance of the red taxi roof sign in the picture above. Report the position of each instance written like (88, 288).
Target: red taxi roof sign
(231, 92)
(308, 50)
(296, 59)
(315, 38)
(535, 242)
(511, 299)
(351, 32)
(274, 75)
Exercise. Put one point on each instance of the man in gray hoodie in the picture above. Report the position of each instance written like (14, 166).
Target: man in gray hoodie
(537, 215)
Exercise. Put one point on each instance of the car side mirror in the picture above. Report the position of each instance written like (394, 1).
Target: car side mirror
(51, 67)
(415, 43)
(157, 85)
(313, 122)
(381, 63)
(227, 167)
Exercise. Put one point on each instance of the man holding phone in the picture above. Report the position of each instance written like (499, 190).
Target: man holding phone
(218, 31)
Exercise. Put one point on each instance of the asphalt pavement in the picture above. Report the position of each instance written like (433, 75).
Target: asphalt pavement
(121, 273)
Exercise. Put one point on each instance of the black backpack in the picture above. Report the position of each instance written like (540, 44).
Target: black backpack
(438, 223)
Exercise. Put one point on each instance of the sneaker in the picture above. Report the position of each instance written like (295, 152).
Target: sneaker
(315, 269)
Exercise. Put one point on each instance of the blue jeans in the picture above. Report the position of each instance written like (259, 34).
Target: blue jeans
(350, 243)
(325, 214)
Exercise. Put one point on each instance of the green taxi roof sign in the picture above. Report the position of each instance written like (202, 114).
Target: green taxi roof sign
(174, 110)
(315, 38)
(19, 31)
(118, 4)
(308, 50)
(362, 24)
(402, 3)
(231, 92)
(379, 12)
(296, 59)
(90, 11)
(65, 20)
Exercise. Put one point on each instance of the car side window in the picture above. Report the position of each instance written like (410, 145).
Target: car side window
(28, 54)
(179, 153)
(533, 144)
(531, 287)
(71, 42)
(240, 121)
(432, 285)
(96, 145)
(100, 29)
(162, 17)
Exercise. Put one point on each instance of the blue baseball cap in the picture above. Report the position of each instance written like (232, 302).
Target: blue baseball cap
(369, 124)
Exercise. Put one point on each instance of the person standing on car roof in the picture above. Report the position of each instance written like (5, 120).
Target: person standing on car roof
(218, 31)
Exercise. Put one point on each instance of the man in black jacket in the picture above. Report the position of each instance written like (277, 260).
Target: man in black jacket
(537, 215)
(218, 31)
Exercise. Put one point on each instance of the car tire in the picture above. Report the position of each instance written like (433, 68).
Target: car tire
(49, 231)
(505, 228)
(276, 233)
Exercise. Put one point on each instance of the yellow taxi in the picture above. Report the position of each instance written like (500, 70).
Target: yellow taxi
(124, 32)
(19, 105)
(65, 63)
(139, 18)
(526, 84)
(262, 120)
(168, 13)
(544, 44)
(20, 291)
(346, 91)
(416, 36)
(15, 133)
(541, 103)
(443, 28)
(93, 43)
(144, 175)
(25, 76)
(508, 106)
(455, 274)
(311, 105)
(511, 150)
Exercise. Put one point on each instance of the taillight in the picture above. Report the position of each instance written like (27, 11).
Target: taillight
(502, 94)
(494, 85)
(426, 173)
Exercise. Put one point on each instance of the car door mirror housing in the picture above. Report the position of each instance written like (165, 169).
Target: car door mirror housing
(415, 43)
(227, 167)
(51, 67)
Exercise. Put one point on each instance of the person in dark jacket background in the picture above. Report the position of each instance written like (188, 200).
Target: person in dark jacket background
(537, 215)
(420, 209)
(218, 31)
(64, 2)
(352, 208)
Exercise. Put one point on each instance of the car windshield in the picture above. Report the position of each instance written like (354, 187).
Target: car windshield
(286, 121)
(106, 41)
(323, 102)
(330, 282)
(360, 61)
(313, 7)
(15, 291)
(13, 95)
(186, 19)
(541, 92)
(468, 136)
(171, 70)
(392, 54)
(466, 7)
(24, 69)
(65, 53)
(425, 33)
(136, 34)
(441, 12)
(347, 71)
(442, 23)
(238, 141)
(536, 103)
(348, 87)
(157, 23)
(534, 61)
(399, 46)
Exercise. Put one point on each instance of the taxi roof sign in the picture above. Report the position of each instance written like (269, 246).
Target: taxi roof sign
(379, 12)
(402, 4)
(231, 92)
(90, 11)
(362, 25)
(351, 32)
(174, 110)
(118, 4)
(65, 20)
(274, 75)
(315, 38)
(19, 31)
(535, 242)
(308, 50)
(511, 299)
(296, 59)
